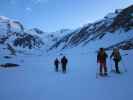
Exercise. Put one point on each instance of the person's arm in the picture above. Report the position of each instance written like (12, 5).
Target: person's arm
(120, 56)
(106, 55)
(66, 61)
(97, 57)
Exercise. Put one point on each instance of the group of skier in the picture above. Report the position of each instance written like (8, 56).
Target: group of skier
(63, 63)
(101, 59)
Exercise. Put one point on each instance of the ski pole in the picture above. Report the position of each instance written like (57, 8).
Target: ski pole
(111, 65)
(97, 71)
(123, 64)
(125, 54)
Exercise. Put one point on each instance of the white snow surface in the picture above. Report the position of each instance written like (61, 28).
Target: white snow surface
(35, 78)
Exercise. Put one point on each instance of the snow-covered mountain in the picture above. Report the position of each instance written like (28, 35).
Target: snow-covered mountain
(57, 35)
(35, 31)
(62, 32)
(16, 37)
(120, 22)
(125, 45)
(111, 27)
(51, 38)
(13, 34)
(8, 26)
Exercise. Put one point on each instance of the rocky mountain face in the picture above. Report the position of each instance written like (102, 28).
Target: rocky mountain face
(124, 20)
(59, 34)
(53, 37)
(13, 35)
(121, 19)
(124, 45)
(28, 40)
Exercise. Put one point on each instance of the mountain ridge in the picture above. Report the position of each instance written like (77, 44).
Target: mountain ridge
(119, 20)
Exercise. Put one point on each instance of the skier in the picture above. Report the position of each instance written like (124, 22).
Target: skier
(101, 58)
(56, 63)
(64, 63)
(117, 58)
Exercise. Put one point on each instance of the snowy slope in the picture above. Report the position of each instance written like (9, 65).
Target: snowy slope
(120, 22)
(51, 38)
(35, 79)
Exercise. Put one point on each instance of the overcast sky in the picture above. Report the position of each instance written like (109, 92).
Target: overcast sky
(53, 15)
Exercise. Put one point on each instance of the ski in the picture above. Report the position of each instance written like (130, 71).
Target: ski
(102, 76)
(113, 71)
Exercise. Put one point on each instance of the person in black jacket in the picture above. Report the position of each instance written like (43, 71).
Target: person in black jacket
(64, 62)
(56, 63)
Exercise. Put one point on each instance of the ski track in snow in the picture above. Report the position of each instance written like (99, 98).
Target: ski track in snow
(36, 79)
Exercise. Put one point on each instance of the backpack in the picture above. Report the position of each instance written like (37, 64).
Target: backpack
(102, 56)
(117, 56)
(64, 60)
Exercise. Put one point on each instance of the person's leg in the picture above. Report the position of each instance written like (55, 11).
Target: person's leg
(64, 68)
(56, 68)
(101, 68)
(116, 66)
(105, 68)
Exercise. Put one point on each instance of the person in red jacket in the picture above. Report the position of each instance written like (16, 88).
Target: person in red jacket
(101, 59)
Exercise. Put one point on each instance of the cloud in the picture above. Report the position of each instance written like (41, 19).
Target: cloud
(28, 9)
(40, 1)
